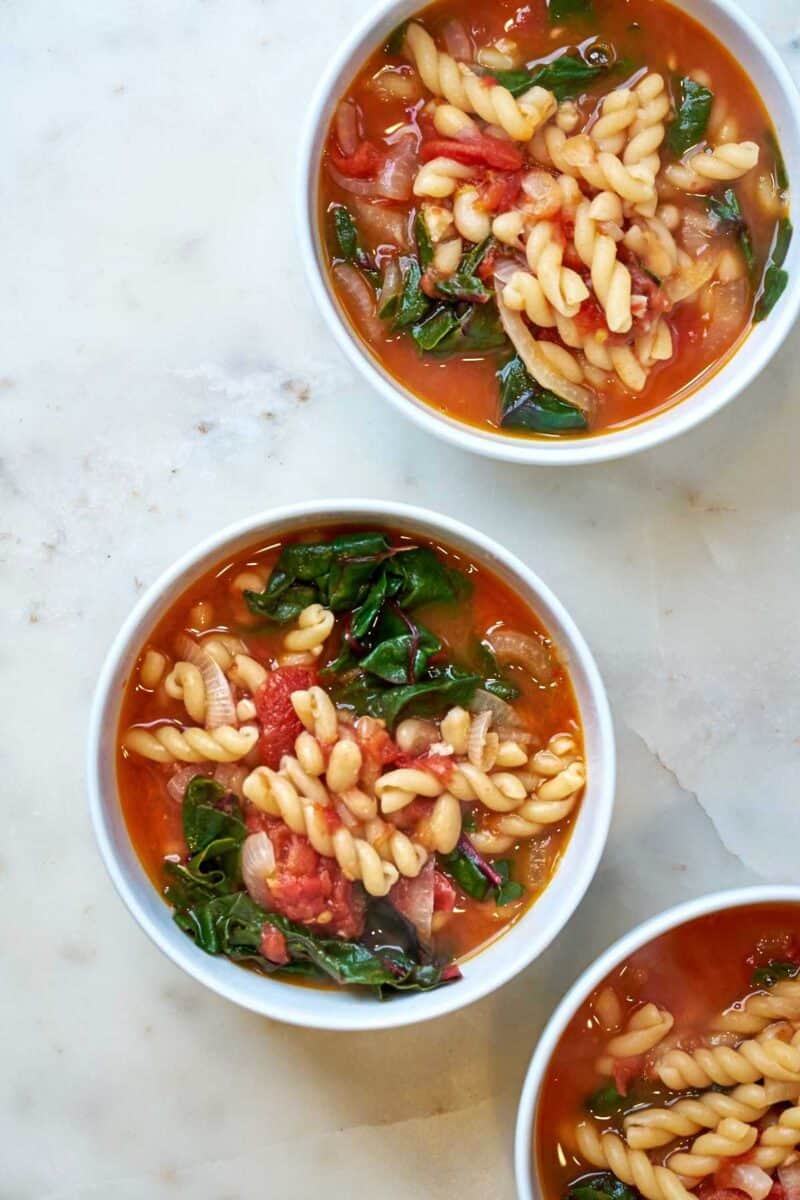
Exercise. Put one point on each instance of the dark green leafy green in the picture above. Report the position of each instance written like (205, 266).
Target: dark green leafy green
(482, 660)
(444, 687)
(781, 174)
(604, 1186)
(525, 405)
(728, 213)
(395, 40)
(478, 330)
(423, 240)
(509, 890)
(605, 1101)
(345, 233)
(775, 282)
(463, 287)
(402, 658)
(465, 873)
(688, 127)
(567, 77)
(474, 257)
(442, 322)
(413, 303)
(390, 289)
(564, 10)
(775, 970)
(214, 832)
(336, 573)
(418, 577)
(782, 241)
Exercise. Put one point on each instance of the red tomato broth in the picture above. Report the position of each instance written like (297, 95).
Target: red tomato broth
(648, 32)
(695, 971)
(153, 818)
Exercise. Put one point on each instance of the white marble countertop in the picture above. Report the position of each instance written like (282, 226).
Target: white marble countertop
(155, 384)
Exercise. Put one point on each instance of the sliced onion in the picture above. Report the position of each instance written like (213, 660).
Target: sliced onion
(691, 278)
(414, 899)
(220, 708)
(356, 289)
(504, 268)
(748, 1178)
(481, 751)
(790, 1181)
(345, 816)
(511, 646)
(231, 776)
(397, 171)
(258, 863)
(359, 187)
(404, 131)
(346, 126)
(503, 715)
(456, 40)
(539, 366)
(382, 225)
(180, 779)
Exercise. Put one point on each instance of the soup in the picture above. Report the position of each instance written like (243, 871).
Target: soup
(679, 1077)
(553, 220)
(351, 757)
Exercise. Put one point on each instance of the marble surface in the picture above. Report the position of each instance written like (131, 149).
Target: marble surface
(156, 383)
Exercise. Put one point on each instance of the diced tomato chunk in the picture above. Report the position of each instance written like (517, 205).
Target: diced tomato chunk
(590, 316)
(498, 192)
(273, 945)
(444, 893)
(625, 1070)
(410, 816)
(480, 150)
(280, 724)
(440, 765)
(362, 164)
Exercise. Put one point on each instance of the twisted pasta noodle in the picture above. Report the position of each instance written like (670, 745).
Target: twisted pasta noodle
(568, 116)
(655, 345)
(631, 1166)
(562, 286)
(396, 847)
(777, 1142)
(730, 1139)
(246, 673)
(617, 113)
(602, 359)
(524, 293)
(610, 279)
(440, 177)
(700, 170)
(316, 710)
(168, 743)
(607, 172)
(276, 795)
(507, 227)
(152, 668)
(453, 122)
(454, 728)
(651, 1127)
(309, 786)
(223, 648)
(447, 256)
(463, 89)
(501, 791)
(780, 1003)
(652, 241)
(648, 130)
(765, 1057)
(441, 829)
(645, 1028)
(396, 789)
(344, 766)
(184, 682)
(314, 625)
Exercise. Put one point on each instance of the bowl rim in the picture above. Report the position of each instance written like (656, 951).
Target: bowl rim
(646, 931)
(202, 967)
(645, 434)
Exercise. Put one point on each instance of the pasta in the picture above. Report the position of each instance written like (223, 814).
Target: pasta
(294, 814)
(732, 1122)
(565, 245)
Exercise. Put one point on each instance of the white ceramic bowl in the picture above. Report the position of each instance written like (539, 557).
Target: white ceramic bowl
(343, 1008)
(524, 1141)
(747, 44)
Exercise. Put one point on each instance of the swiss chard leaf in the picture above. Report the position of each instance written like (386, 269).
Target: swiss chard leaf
(463, 287)
(413, 303)
(775, 970)
(782, 240)
(336, 573)
(781, 174)
(423, 240)
(465, 873)
(567, 77)
(442, 322)
(367, 614)
(403, 658)
(346, 239)
(396, 39)
(525, 405)
(563, 10)
(728, 212)
(478, 330)
(444, 687)
(474, 257)
(775, 282)
(603, 1186)
(482, 660)
(509, 890)
(605, 1101)
(205, 819)
(688, 127)
(418, 577)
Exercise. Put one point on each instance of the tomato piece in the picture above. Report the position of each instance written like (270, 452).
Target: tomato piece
(273, 945)
(590, 316)
(280, 724)
(363, 163)
(444, 893)
(480, 150)
(499, 192)
(625, 1070)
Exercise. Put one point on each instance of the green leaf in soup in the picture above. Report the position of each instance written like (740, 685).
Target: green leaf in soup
(423, 240)
(307, 572)
(390, 288)
(204, 821)
(564, 10)
(477, 331)
(420, 577)
(727, 211)
(525, 405)
(414, 304)
(396, 39)
(346, 239)
(509, 890)
(774, 971)
(428, 334)
(465, 873)
(283, 608)
(474, 257)
(481, 659)
(775, 282)
(567, 77)
(463, 287)
(444, 687)
(605, 1101)
(782, 241)
(367, 614)
(603, 1186)
(781, 174)
(400, 657)
(688, 127)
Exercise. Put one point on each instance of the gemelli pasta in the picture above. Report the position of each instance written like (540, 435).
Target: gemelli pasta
(363, 763)
(679, 1079)
(557, 219)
